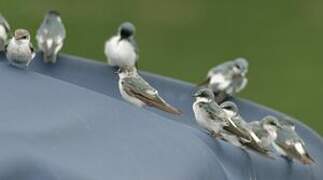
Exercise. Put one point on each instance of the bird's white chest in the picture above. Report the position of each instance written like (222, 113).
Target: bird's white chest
(219, 82)
(3, 33)
(120, 53)
(19, 51)
(203, 120)
(268, 140)
(129, 98)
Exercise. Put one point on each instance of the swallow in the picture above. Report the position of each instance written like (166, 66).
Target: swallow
(50, 36)
(134, 89)
(122, 50)
(20, 51)
(227, 79)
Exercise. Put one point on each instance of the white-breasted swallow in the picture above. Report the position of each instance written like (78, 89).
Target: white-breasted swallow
(50, 36)
(19, 51)
(243, 132)
(227, 79)
(220, 121)
(266, 130)
(136, 90)
(121, 49)
(208, 113)
(290, 145)
(4, 32)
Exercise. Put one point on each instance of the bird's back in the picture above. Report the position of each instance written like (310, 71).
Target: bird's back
(52, 29)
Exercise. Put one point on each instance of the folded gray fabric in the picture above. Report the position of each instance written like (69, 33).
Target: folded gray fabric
(67, 121)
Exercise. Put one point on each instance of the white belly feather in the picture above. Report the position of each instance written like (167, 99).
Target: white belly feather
(203, 121)
(19, 52)
(128, 98)
(219, 82)
(120, 53)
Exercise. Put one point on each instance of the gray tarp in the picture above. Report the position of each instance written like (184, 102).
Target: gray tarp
(67, 122)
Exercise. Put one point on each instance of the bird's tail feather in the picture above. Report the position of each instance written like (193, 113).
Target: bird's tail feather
(164, 106)
(203, 83)
(307, 159)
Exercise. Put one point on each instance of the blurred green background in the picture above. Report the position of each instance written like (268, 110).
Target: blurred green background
(183, 39)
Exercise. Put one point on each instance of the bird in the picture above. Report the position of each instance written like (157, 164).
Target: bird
(121, 50)
(238, 128)
(227, 79)
(4, 32)
(266, 130)
(20, 51)
(242, 131)
(134, 89)
(208, 114)
(50, 36)
(290, 145)
(221, 123)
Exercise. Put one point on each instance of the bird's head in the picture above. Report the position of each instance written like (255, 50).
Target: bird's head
(230, 108)
(126, 30)
(271, 124)
(240, 66)
(22, 35)
(52, 15)
(287, 122)
(204, 93)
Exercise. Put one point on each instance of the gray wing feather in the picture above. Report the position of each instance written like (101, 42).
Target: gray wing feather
(222, 68)
(139, 88)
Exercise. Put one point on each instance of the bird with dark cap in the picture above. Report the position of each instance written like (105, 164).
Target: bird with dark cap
(121, 50)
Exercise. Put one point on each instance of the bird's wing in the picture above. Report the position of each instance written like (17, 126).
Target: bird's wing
(221, 68)
(139, 88)
(239, 128)
(290, 142)
(214, 112)
(257, 129)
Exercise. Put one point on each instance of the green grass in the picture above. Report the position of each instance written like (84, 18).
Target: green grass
(183, 39)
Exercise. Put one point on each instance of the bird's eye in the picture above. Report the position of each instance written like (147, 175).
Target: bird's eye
(24, 37)
(272, 123)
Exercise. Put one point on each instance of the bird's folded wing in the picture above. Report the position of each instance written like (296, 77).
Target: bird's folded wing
(140, 89)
